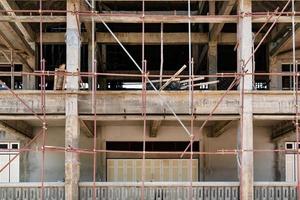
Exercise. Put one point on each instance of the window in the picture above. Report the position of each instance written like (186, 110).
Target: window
(4, 146)
(291, 161)
(7, 153)
(287, 81)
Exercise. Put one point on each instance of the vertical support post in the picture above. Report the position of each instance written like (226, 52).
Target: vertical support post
(212, 62)
(72, 130)
(102, 57)
(90, 63)
(212, 11)
(28, 81)
(275, 67)
(245, 129)
(212, 50)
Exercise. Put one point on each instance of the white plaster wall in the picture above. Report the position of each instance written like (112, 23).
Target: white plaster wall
(224, 167)
(221, 167)
(215, 167)
(264, 162)
(86, 160)
(54, 161)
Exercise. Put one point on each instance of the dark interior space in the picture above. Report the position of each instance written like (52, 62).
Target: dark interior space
(55, 55)
(7, 79)
(151, 146)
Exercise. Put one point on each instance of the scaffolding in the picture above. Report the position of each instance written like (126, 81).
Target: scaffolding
(146, 78)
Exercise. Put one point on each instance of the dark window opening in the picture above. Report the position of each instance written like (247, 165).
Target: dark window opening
(15, 146)
(288, 81)
(55, 55)
(151, 146)
(175, 56)
(3, 146)
(13, 82)
(289, 146)
(227, 63)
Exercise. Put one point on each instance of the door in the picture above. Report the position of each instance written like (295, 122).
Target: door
(155, 169)
(11, 172)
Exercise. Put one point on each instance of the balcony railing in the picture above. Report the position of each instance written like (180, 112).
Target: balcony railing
(160, 190)
(32, 191)
(153, 190)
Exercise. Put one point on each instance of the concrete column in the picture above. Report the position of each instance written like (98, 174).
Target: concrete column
(212, 10)
(72, 130)
(212, 50)
(275, 67)
(90, 63)
(212, 62)
(103, 67)
(72, 133)
(195, 55)
(245, 128)
(28, 81)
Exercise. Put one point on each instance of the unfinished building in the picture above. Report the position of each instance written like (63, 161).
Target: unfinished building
(148, 99)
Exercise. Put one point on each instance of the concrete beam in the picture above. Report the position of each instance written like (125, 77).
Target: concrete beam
(226, 9)
(212, 61)
(24, 28)
(138, 117)
(14, 35)
(283, 40)
(88, 25)
(87, 128)
(220, 127)
(10, 45)
(122, 18)
(154, 128)
(128, 102)
(150, 38)
(19, 128)
(282, 128)
(114, 1)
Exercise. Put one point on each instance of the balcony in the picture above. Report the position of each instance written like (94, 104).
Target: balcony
(153, 190)
(130, 102)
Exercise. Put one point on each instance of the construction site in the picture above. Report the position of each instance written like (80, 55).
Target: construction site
(149, 100)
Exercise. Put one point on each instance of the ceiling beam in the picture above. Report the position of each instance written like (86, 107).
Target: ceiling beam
(24, 28)
(150, 38)
(220, 127)
(202, 56)
(87, 128)
(87, 25)
(114, 1)
(16, 38)
(284, 38)
(20, 128)
(18, 55)
(131, 19)
(226, 9)
(281, 129)
(154, 126)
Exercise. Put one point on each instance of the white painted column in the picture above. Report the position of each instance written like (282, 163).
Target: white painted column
(245, 129)
(72, 130)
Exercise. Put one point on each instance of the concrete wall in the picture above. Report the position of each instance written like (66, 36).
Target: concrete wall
(213, 167)
(129, 102)
(54, 161)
